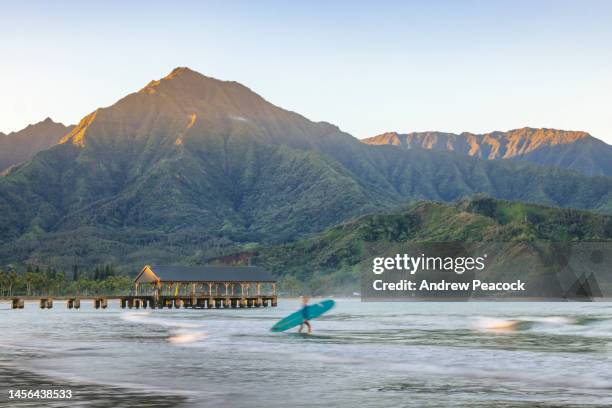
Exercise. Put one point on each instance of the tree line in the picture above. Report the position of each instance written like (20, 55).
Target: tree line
(50, 282)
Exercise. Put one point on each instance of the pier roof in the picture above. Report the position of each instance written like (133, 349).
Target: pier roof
(204, 273)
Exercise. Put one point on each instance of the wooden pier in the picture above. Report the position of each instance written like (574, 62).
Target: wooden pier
(144, 302)
(195, 287)
(195, 302)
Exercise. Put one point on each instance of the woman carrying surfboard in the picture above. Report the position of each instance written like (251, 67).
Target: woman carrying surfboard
(305, 316)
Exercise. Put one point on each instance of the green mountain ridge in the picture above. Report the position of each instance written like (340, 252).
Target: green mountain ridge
(190, 166)
(572, 150)
(333, 260)
(18, 147)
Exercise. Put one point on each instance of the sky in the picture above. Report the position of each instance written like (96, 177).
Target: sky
(368, 67)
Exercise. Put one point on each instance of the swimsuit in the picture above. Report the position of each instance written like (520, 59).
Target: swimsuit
(305, 313)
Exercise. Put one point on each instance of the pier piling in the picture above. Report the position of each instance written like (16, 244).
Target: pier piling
(46, 303)
(17, 303)
(73, 303)
(100, 303)
(142, 301)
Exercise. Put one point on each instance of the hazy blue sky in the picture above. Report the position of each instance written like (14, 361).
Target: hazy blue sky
(368, 67)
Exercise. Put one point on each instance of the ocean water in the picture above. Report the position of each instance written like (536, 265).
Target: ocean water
(417, 354)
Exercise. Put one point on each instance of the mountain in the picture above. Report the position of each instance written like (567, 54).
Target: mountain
(190, 166)
(335, 258)
(17, 147)
(548, 147)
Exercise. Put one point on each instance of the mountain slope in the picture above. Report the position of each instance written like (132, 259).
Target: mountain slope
(549, 147)
(187, 151)
(334, 259)
(17, 147)
(190, 165)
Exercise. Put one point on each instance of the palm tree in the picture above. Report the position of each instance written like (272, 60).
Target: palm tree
(12, 280)
(60, 280)
(3, 282)
(30, 278)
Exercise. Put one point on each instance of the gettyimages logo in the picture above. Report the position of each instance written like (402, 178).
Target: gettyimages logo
(413, 264)
(489, 271)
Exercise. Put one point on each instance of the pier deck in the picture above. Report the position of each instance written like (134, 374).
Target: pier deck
(153, 302)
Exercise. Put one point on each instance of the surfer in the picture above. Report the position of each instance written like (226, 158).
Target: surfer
(305, 316)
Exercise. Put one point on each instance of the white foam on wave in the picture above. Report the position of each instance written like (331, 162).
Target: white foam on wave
(496, 324)
(187, 337)
(503, 324)
(559, 320)
(146, 318)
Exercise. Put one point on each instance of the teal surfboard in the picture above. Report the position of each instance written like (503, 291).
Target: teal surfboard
(312, 312)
